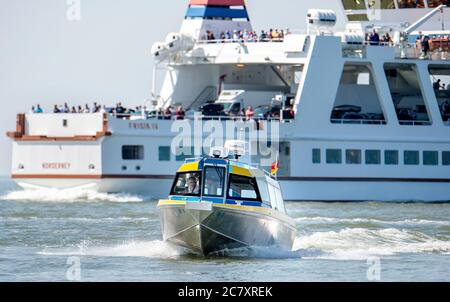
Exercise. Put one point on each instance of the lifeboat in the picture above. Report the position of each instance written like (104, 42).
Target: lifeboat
(219, 203)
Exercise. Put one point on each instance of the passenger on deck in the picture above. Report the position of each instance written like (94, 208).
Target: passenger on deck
(289, 113)
(228, 35)
(374, 38)
(38, 109)
(56, 109)
(80, 110)
(120, 110)
(425, 45)
(245, 36)
(270, 34)
(73, 110)
(263, 36)
(437, 85)
(33, 110)
(180, 114)
(65, 108)
(276, 35)
(86, 109)
(95, 108)
(250, 113)
(236, 35)
(168, 113)
(222, 36)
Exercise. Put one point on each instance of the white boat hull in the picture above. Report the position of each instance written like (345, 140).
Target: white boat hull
(293, 190)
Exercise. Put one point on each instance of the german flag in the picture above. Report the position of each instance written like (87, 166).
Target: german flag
(275, 167)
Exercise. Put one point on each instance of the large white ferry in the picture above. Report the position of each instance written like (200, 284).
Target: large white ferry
(370, 122)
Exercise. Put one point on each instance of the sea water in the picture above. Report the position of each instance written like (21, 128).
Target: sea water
(53, 235)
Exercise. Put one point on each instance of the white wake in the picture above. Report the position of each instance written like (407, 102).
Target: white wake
(68, 196)
(359, 244)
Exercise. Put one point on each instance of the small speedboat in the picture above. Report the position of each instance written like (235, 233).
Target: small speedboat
(218, 203)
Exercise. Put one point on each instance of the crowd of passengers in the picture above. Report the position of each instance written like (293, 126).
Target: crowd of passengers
(247, 36)
(95, 108)
(168, 114)
(245, 114)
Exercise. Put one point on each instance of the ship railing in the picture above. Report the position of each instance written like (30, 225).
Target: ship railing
(216, 118)
(414, 123)
(255, 39)
(358, 121)
(407, 51)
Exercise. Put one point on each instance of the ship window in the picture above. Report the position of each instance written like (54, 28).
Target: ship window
(391, 157)
(354, 4)
(357, 17)
(164, 153)
(214, 180)
(411, 158)
(316, 156)
(187, 184)
(373, 157)
(357, 100)
(132, 152)
(353, 157)
(381, 4)
(446, 158)
(406, 94)
(410, 4)
(440, 79)
(430, 158)
(243, 188)
(334, 156)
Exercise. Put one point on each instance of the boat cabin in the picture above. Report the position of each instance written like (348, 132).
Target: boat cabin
(226, 181)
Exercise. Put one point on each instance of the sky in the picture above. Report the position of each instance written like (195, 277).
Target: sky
(49, 54)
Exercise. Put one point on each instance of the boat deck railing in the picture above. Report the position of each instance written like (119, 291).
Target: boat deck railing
(358, 121)
(255, 39)
(409, 51)
(415, 123)
(203, 118)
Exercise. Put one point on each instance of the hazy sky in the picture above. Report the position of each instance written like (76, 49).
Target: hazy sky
(104, 57)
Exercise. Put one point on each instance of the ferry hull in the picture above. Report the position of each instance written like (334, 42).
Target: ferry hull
(219, 228)
(293, 190)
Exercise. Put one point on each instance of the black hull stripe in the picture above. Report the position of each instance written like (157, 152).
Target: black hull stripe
(365, 179)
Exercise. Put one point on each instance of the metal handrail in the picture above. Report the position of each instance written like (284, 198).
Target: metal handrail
(359, 121)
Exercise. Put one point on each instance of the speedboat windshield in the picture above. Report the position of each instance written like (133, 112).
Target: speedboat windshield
(187, 184)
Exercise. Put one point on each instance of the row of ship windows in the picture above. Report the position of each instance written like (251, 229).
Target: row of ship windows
(373, 157)
(136, 152)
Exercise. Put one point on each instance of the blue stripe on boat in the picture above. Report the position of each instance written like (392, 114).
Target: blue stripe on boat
(216, 12)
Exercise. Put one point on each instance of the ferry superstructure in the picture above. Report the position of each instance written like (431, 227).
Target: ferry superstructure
(368, 124)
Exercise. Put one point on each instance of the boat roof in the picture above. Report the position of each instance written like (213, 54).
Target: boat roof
(234, 167)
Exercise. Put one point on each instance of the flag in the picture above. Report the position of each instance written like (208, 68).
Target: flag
(275, 167)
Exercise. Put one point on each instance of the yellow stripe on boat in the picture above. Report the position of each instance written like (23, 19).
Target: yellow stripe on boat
(189, 167)
(171, 203)
(241, 171)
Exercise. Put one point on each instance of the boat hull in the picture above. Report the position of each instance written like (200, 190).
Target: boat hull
(217, 228)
